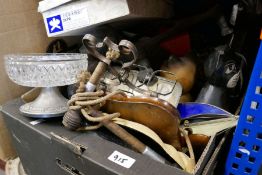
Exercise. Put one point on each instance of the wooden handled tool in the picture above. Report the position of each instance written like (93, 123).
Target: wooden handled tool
(112, 54)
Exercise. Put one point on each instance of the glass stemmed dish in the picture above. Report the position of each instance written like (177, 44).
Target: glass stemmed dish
(47, 71)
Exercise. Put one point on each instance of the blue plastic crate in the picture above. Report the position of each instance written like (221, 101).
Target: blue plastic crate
(245, 156)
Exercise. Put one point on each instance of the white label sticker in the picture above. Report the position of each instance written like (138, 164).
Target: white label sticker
(35, 122)
(67, 20)
(121, 159)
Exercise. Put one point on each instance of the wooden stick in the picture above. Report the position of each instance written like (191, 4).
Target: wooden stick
(98, 73)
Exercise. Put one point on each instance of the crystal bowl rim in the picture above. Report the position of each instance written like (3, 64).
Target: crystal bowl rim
(40, 57)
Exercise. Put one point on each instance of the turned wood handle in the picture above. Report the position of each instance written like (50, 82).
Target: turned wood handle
(125, 136)
(98, 73)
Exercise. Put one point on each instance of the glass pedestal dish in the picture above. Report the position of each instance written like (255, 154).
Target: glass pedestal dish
(47, 71)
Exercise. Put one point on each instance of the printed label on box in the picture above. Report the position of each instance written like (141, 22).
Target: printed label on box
(67, 20)
(121, 159)
(54, 24)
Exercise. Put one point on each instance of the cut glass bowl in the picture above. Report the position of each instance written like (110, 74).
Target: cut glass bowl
(47, 71)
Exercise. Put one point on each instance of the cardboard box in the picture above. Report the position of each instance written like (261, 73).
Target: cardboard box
(21, 31)
(65, 18)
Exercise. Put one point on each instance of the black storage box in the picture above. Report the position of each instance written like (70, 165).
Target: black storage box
(46, 147)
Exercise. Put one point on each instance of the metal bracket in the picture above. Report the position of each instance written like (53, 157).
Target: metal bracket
(76, 148)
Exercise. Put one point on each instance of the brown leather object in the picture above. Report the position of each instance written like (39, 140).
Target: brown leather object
(154, 113)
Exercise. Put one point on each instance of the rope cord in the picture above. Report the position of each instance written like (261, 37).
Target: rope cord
(101, 118)
(189, 145)
(99, 100)
(86, 102)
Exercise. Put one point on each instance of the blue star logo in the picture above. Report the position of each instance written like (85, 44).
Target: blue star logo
(54, 24)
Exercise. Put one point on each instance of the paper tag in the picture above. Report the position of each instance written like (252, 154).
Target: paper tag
(121, 159)
(35, 122)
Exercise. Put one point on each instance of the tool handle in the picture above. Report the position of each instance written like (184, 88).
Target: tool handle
(132, 141)
(98, 73)
(125, 136)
